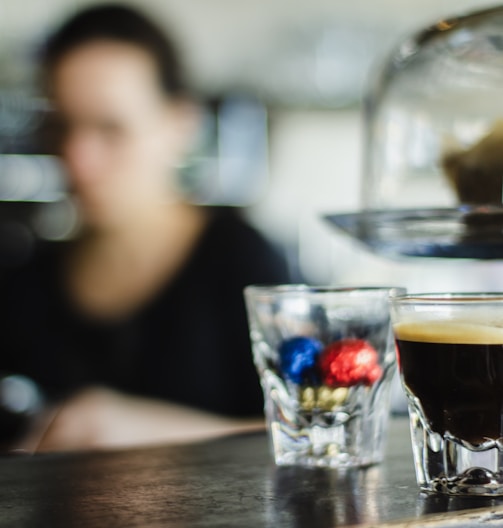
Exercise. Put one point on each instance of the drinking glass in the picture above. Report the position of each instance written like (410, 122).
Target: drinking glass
(450, 349)
(326, 358)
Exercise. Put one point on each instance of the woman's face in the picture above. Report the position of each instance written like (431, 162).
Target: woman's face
(120, 135)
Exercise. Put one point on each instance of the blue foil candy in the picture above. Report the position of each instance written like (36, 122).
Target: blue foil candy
(298, 359)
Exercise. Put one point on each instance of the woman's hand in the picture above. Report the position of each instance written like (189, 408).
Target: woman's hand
(103, 418)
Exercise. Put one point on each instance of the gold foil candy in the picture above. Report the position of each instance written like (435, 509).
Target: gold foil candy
(323, 398)
(308, 398)
(339, 395)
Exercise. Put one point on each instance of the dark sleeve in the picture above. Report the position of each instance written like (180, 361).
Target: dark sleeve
(26, 305)
(19, 301)
(37, 339)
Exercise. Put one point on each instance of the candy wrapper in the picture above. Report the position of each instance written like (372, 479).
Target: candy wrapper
(298, 359)
(349, 362)
(326, 373)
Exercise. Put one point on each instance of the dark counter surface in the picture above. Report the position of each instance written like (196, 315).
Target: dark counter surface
(230, 481)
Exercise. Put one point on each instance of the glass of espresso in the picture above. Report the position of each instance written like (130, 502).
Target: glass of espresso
(450, 355)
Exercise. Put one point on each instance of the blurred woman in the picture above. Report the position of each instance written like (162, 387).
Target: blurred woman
(136, 329)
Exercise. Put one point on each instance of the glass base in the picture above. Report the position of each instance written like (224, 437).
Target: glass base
(352, 435)
(475, 481)
(447, 465)
(339, 446)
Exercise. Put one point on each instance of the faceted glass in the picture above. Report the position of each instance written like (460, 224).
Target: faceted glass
(450, 349)
(326, 359)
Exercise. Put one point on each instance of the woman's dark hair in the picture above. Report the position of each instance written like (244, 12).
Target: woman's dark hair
(121, 24)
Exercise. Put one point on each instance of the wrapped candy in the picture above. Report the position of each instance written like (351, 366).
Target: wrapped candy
(349, 362)
(323, 398)
(299, 358)
(325, 374)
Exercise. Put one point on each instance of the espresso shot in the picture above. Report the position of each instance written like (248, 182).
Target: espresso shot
(450, 356)
(455, 370)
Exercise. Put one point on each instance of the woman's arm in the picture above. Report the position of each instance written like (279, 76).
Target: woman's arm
(103, 418)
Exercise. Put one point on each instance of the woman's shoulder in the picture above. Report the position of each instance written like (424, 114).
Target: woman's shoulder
(240, 248)
(228, 223)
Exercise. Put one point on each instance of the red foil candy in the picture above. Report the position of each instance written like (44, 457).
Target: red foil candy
(349, 362)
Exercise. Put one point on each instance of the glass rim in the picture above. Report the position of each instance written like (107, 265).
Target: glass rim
(292, 289)
(447, 298)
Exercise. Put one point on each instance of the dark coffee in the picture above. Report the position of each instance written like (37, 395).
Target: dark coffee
(455, 370)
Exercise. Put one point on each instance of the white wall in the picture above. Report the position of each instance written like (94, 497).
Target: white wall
(315, 168)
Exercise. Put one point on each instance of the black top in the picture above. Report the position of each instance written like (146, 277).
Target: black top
(188, 344)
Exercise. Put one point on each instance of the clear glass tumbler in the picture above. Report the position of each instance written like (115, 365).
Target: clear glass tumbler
(450, 349)
(326, 359)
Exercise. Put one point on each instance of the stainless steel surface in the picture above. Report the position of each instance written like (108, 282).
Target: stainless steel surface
(463, 232)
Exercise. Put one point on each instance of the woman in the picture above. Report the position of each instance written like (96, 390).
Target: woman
(136, 330)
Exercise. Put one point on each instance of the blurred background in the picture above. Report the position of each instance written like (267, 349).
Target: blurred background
(281, 87)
